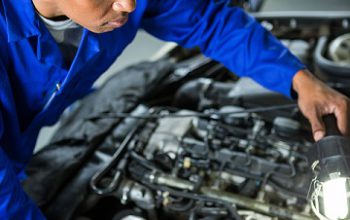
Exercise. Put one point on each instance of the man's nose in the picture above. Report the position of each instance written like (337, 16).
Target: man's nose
(124, 5)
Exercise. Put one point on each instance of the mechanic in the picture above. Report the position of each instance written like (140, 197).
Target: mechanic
(53, 50)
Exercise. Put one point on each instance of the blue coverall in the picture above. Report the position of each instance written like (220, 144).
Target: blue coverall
(31, 65)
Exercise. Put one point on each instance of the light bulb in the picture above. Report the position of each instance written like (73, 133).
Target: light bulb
(335, 198)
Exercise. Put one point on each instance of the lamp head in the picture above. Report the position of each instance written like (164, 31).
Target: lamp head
(330, 163)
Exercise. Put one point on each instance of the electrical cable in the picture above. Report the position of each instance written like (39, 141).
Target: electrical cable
(181, 208)
(192, 196)
(231, 209)
(273, 183)
(212, 115)
(142, 161)
(117, 158)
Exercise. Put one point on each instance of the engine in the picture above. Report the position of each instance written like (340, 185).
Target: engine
(184, 138)
(224, 164)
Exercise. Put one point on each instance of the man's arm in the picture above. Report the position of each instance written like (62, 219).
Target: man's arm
(227, 35)
(14, 203)
(235, 39)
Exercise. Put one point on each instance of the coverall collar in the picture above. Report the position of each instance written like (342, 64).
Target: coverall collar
(21, 21)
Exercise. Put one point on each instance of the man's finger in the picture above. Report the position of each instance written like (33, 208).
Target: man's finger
(343, 118)
(317, 125)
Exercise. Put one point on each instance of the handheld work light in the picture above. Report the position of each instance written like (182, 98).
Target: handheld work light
(330, 163)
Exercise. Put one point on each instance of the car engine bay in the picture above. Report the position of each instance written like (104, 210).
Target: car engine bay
(184, 138)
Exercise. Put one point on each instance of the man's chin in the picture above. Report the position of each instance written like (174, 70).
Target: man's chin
(102, 30)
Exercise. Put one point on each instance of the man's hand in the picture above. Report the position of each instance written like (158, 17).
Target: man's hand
(316, 99)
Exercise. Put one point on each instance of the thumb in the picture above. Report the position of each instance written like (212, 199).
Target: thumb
(318, 127)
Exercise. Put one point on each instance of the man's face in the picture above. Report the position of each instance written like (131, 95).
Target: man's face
(98, 15)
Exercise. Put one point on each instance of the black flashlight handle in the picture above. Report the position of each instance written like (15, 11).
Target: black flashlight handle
(332, 153)
(330, 122)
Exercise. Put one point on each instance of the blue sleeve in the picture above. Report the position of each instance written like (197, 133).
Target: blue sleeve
(14, 202)
(227, 35)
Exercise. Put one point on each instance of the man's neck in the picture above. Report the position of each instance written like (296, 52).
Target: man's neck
(47, 8)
